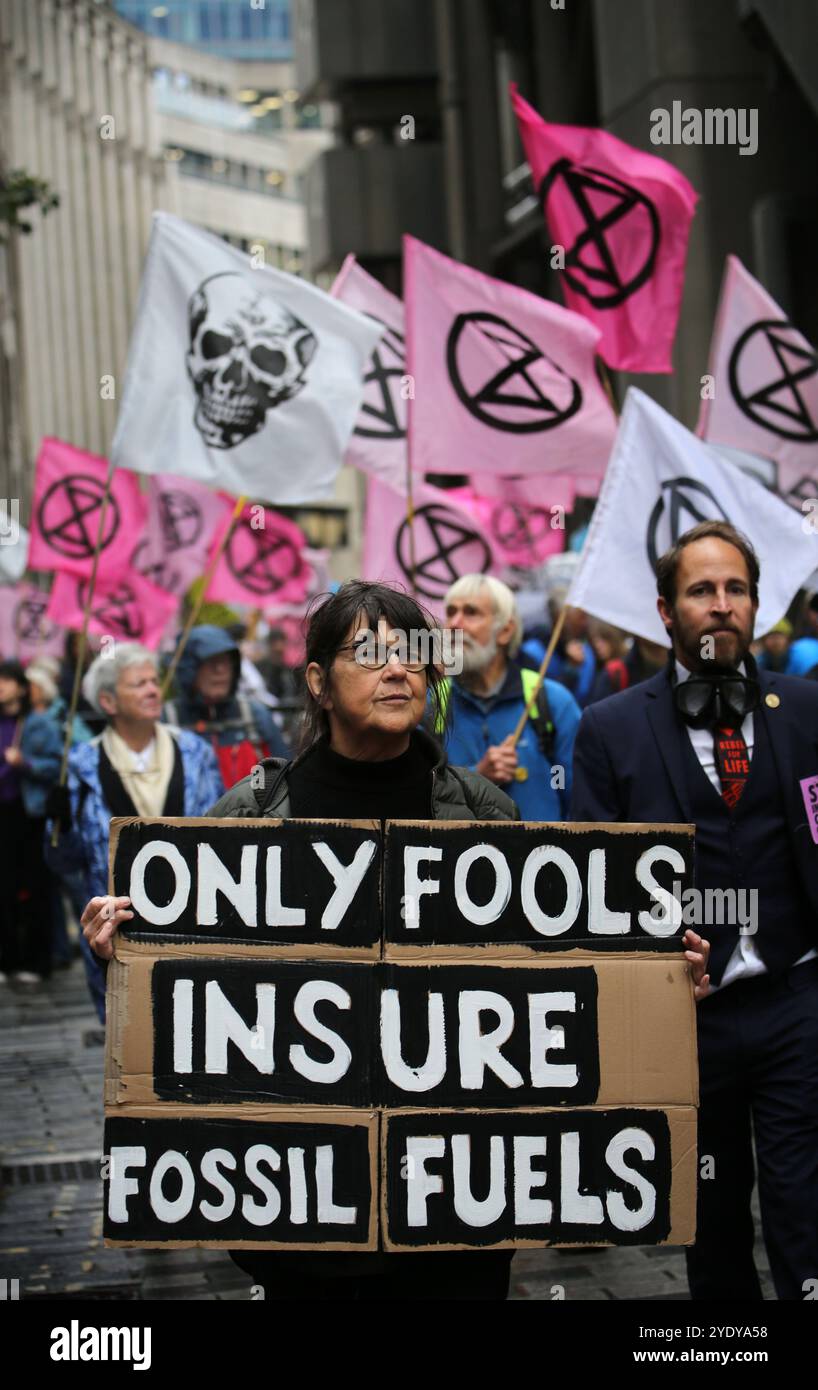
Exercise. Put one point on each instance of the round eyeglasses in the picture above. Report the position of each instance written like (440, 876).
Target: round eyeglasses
(373, 657)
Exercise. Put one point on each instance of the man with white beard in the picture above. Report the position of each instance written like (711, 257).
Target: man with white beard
(486, 700)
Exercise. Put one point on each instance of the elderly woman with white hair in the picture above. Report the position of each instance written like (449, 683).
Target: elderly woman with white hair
(136, 767)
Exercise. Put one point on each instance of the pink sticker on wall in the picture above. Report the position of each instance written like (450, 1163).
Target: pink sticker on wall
(809, 791)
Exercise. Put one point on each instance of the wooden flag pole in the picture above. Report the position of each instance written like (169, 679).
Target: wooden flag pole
(196, 606)
(544, 664)
(83, 643)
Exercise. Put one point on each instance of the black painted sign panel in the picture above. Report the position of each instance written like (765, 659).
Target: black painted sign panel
(218, 1179)
(276, 883)
(553, 1177)
(550, 887)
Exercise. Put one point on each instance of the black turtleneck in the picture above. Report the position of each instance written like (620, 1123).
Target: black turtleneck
(325, 785)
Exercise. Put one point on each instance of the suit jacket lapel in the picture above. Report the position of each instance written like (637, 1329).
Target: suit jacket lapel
(668, 733)
(778, 735)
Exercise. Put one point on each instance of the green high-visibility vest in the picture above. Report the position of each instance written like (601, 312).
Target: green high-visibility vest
(534, 705)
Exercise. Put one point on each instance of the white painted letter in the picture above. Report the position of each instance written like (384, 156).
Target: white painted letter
(481, 916)
(223, 1023)
(121, 1187)
(214, 877)
(576, 1206)
(304, 1009)
(670, 917)
(542, 1038)
(601, 919)
(179, 1207)
(140, 902)
(480, 1050)
(346, 877)
(328, 1213)
(491, 1208)
(419, 1184)
(275, 914)
(622, 1217)
(422, 1078)
(213, 1174)
(528, 1210)
(414, 887)
(540, 921)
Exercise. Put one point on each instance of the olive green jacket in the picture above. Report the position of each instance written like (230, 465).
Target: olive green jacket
(457, 793)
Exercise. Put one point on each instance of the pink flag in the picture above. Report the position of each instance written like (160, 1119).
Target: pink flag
(763, 393)
(183, 518)
(263, 562)
(25, 631)
(524, 518)
(503, 381)
(449, 541)
(378, 442)
(65, 514)
(622, 218)
(126, 607)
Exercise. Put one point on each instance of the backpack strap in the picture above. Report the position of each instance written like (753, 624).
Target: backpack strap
(264, 793)
(541, 711)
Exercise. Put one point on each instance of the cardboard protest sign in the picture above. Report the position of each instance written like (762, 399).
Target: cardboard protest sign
(290, 1000)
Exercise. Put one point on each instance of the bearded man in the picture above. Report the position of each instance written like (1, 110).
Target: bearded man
(714, 741)
(485, 701)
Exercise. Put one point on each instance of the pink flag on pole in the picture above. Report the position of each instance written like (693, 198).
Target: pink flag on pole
(449, 541)
(183, 518)
(25, 631)
(125, 606)
(623, 219)
(378, 442)
(68, 491)
(762, 396)
(503, 381)
(263, 562)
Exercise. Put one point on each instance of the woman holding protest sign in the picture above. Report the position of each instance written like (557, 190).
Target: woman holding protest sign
(371, 672)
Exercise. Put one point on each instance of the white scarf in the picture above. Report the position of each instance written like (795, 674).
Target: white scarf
(147, 789)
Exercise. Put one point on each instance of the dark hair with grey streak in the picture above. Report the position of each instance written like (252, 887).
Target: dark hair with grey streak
(668, 563)
(329, 621)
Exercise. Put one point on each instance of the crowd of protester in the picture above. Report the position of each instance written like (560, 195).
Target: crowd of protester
(234, 701)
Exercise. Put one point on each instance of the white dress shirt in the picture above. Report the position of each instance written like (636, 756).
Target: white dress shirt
(745, 960)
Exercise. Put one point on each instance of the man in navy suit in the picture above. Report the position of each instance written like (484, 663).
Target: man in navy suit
(713, 741)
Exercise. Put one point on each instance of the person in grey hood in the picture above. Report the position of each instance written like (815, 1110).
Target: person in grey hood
(241, 731)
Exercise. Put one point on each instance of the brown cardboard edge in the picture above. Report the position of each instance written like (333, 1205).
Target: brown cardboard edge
(578, 826)
(682, 1222)
(286, 1114)
(128, 947)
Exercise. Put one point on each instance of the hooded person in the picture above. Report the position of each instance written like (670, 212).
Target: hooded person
(240, 730)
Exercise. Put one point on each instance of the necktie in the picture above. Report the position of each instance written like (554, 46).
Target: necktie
(732, 762)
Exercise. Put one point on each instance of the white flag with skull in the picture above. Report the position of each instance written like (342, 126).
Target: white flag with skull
(238, 375)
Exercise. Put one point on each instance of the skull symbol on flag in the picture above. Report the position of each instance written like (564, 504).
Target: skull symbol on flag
(247, 354)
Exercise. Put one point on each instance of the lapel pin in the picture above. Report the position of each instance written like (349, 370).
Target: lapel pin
(773, 701)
